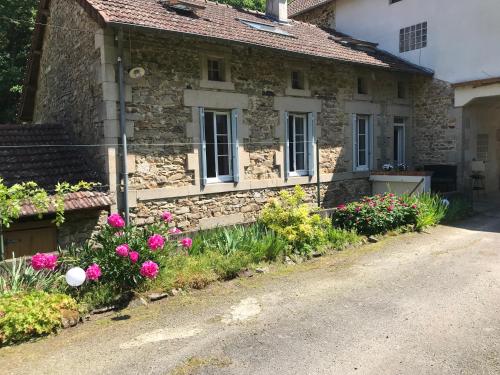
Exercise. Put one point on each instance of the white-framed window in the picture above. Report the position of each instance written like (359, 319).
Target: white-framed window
(399, 147)
(300, 139)
(219, 141)
(413, 37)
(362, 142)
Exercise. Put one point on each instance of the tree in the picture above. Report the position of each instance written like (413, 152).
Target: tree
(17, 19)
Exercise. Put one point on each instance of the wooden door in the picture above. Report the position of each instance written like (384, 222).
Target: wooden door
(25, 239)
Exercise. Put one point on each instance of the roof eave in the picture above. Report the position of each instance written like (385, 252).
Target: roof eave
(416, 69)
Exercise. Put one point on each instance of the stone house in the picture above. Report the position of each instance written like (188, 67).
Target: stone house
(224, 107)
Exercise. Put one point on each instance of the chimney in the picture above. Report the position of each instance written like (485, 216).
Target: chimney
(277, 10)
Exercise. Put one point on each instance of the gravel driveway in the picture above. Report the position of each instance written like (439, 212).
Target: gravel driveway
(413, 304)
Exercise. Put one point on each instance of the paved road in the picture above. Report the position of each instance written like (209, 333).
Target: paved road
(414, 304)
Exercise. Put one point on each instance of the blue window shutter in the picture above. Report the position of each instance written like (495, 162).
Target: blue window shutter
(354, 142)
(287, 148)
(203, 150)
(311, 140)
(235, 147)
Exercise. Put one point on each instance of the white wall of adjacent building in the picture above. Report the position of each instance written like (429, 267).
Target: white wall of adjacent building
(463, 36)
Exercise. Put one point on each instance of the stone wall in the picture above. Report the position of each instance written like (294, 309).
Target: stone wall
(80, 226)
(323, 16)
(68, 89)
(436, 138)
(208, 211)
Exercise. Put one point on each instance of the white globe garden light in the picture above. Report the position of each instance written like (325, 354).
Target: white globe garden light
(75, 276)
(445, 202)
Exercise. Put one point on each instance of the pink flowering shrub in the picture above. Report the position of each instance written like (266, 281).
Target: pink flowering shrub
(167, 217)
(156, 242)
(41, 261)
(116, 221)
(93, 272)
(186, 242)
(123, 257)
(122, 250)
(377, 214)
(149, 269)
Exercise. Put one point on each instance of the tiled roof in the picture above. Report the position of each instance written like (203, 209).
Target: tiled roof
(75, 201)
(297, 7)
(209, 20)
(43, 153)
(216, 21)
(26, 154)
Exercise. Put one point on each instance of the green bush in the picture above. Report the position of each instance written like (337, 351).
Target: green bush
(431, 210)
(339, 239)
(257, 240)
(375, 215)
(17, 276)
(32, 314)
(292, 218)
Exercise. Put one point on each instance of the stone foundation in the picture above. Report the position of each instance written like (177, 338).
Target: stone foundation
(211, 210)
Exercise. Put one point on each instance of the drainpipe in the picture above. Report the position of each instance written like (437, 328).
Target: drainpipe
(2, 248)
(318, 177)
(123, 127)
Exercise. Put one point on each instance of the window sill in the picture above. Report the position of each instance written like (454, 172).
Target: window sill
(216, 85)
(296, 92)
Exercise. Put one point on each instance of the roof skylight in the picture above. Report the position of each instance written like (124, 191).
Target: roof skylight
(264, 27)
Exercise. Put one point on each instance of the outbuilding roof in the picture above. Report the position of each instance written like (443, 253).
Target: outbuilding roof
(43, 153)
(297, 7)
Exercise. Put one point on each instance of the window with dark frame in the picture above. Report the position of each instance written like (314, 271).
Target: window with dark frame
(399, 141)
(362, 143)
(362, 86)
(297, 143)
(215, 70)
(413, 37)
(298, 80)
(218, 147)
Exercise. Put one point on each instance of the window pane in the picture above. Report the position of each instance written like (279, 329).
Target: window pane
(210, 143)
(221, 124)
(215, 70)
(222, 145)
(361, 157)
(291, 145)
(223, 165)
(300, 161)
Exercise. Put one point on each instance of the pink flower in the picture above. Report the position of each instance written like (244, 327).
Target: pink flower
(341, 207)
(43, 261)
(186, 242)
(134, 256)
(174, 230)
(93, 272)
(122, 250)
(167, 216)
(390, 208)
(358, 209)
(38, 261)
(116, 221)
(156, 241)
(149, 269)
(50, 261)
(413, 206)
